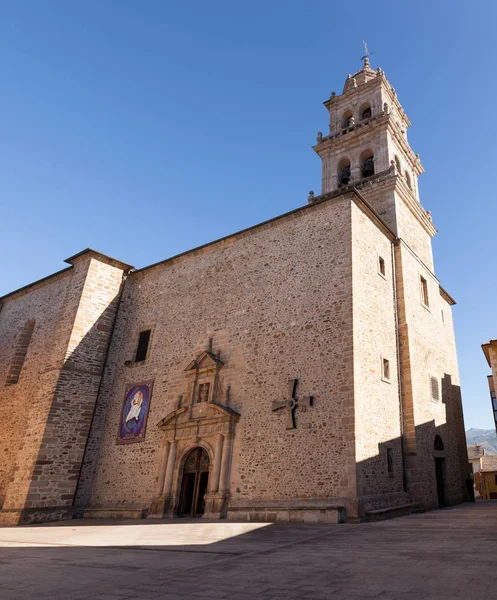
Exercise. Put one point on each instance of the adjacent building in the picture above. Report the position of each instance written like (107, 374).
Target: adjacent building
(490, 351)
(486, 478)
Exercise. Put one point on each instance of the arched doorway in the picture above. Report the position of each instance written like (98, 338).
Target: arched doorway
(440, 472)
(194, 481)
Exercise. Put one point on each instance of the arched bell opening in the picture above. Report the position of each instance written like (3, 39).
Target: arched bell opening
(347, 119)
(365, 112)
(344, 174)
(367, 163)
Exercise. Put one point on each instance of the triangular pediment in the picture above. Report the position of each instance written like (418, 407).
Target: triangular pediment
(204, 361)
(212, 411)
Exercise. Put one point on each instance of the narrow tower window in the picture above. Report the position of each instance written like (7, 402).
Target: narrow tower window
(397, 164)
(390, 461)
(408, 181)
(424, 292)
(434, 389)
(20, 351)
(381, 266)
(142, 348)
(438, 444)
(385, 369)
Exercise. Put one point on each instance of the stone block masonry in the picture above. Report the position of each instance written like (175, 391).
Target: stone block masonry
(54, 398)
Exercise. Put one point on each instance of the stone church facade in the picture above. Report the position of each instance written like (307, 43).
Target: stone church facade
(303, 369)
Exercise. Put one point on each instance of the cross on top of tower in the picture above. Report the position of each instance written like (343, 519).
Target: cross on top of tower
(366, 56)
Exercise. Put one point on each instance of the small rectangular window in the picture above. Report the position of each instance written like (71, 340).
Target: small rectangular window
(390, 460)
(443, 318)
(434, 389)
(142, 349)
(385, 369)
(424, 292)
(381, 266)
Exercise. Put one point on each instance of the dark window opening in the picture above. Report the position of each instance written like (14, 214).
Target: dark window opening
(142, 349)
(390, 460)
(438, 445)
(386, 369)
(424, 291)
(381, 265)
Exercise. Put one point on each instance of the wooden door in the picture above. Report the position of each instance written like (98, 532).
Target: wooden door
(195, 480)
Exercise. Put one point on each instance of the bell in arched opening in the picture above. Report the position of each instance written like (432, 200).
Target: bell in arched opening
(368, 166)
(366, 113)
(344, 175)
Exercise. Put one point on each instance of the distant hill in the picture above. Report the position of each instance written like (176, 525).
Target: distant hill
(484, 437)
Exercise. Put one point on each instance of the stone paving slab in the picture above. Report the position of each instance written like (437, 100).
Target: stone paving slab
(451, 553)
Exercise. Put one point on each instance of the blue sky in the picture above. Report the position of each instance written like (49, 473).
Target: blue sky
(145, 128)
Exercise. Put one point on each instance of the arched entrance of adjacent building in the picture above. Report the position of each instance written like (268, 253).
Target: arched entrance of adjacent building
(194, 482)
(440, 472)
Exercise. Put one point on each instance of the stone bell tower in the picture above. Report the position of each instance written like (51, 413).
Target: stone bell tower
(367, 149)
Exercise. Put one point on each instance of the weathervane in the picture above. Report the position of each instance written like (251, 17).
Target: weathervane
(367, 54)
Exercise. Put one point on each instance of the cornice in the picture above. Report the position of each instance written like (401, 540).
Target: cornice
(350, 133)
(414, 206)
(416, 165)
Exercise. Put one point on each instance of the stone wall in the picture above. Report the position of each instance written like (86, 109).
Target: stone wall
(428, 337)
(377, 401)
(28, 399)
(276, 302)
(58, 385)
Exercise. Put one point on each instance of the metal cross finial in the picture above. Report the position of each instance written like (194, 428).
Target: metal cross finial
(367, 54)
(292, 403)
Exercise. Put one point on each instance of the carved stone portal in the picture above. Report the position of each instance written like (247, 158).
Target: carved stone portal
(201, 421)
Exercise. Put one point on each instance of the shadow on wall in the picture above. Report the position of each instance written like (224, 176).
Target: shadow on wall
(435, 470)
(46, 468)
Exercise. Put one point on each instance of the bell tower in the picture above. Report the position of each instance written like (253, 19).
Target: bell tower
(366, 148)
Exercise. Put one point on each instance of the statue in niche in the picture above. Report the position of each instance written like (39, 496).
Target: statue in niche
(203, 392)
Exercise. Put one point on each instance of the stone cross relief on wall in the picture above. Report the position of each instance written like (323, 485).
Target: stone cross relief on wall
(292, 403)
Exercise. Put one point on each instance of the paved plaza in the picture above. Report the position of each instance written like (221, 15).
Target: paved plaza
(450, 553)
